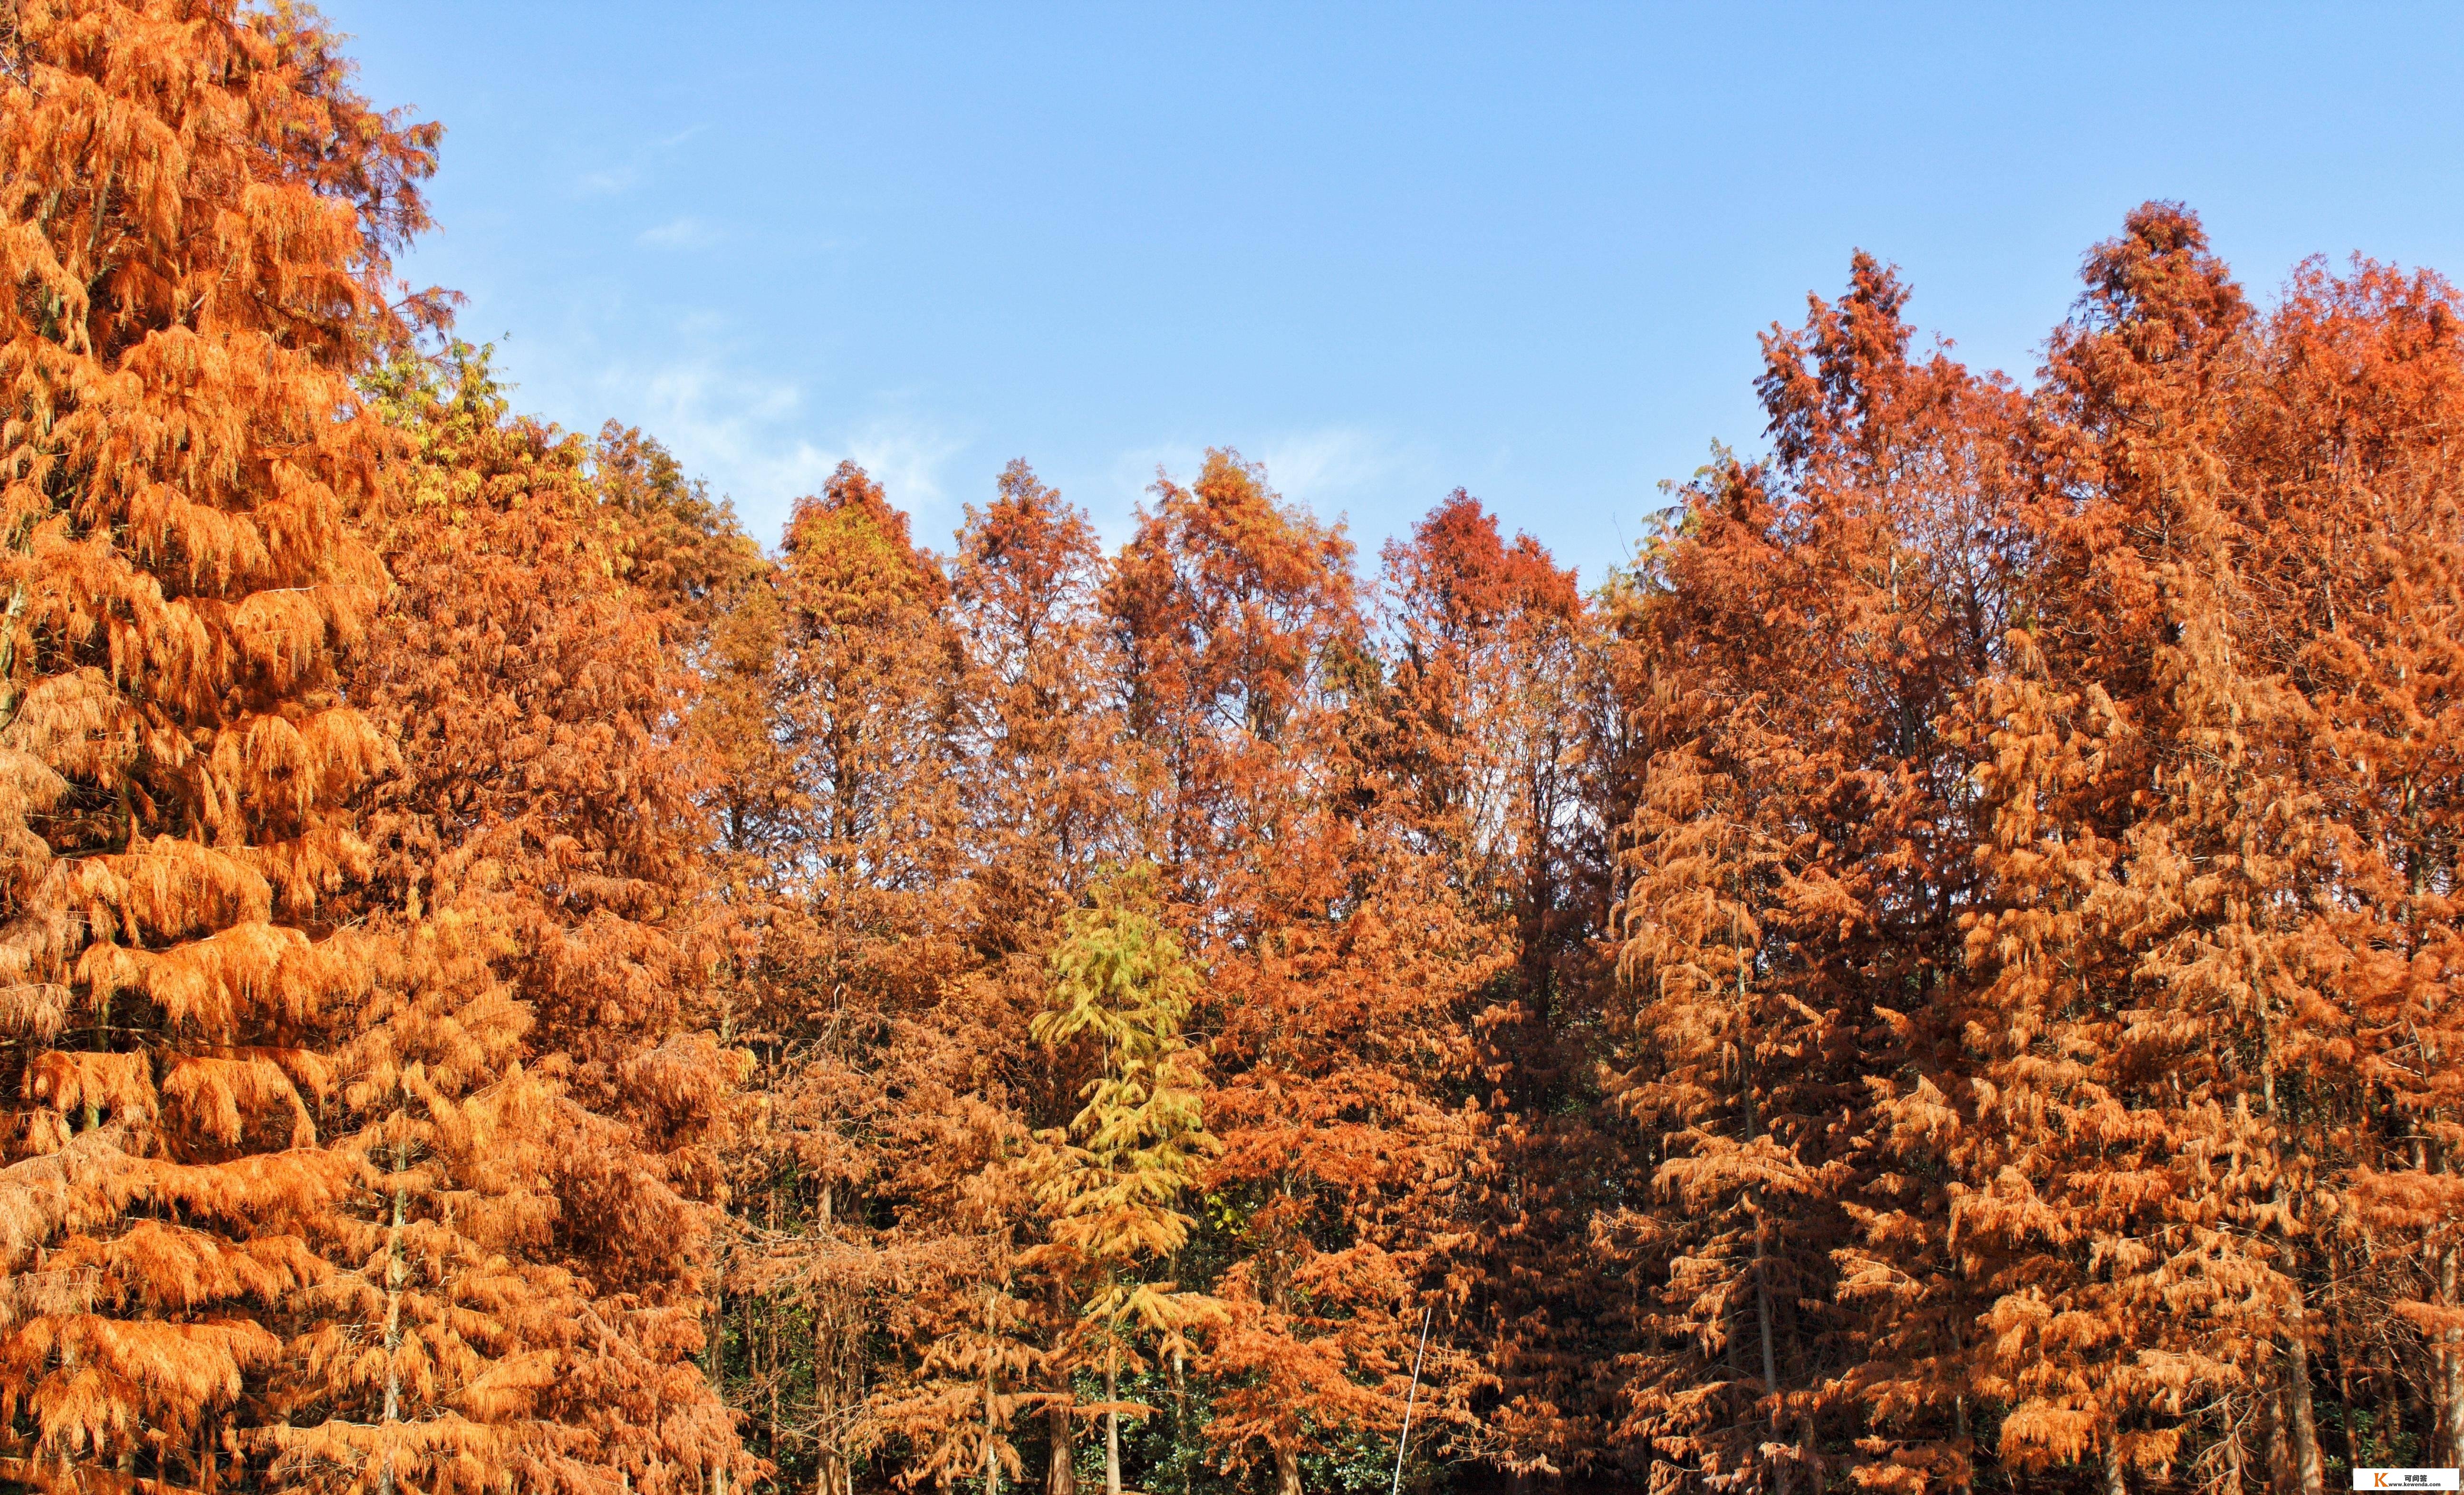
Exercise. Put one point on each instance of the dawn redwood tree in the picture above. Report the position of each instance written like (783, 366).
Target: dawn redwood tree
(852, 930)
(2151, 850)
(683, 549)
(1112, 1182)
(1495, 752)
(1731, 1072)
(1494, 684)
(1800, 641)
(1225, 606)
(2349, 488)
(197, 216)
(1038, 734)
(425, 1360)
(1037, 723)
(1337, 957)
(1893, 484)
(545, 824)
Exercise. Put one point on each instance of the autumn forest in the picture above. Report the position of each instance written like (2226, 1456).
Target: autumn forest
(1944, 973)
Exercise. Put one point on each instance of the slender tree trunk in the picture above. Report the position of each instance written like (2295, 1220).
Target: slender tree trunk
(770, 1335)
(2115, 1481)
(1061, 1466)
(8, 693)
(992, 1461)
(1967, 1480)
(2308, 1477)
(2279, 1447)
(2451, 1411)
(992, 1464)
(393, 1319)
(2343, 1363)
(1112, 1420)
(1771, 1362)
(1287, 1470)
(1181, 1414)
(752, 1354)
(1061, 1460)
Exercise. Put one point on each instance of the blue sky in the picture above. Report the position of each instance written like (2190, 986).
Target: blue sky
(1386, 250)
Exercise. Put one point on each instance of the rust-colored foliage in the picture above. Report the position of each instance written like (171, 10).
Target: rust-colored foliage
(1940, 974)
(1494, 741)
(197, 211)
(2026, 891)
(547, 807)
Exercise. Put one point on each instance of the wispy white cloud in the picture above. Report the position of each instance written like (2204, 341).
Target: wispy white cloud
(736, 428)
(613, 181)
(608, 183)
(907, 457)
(762, 429)
(679, 234)
(1325, 468)
(1134, 472)
(756, 439)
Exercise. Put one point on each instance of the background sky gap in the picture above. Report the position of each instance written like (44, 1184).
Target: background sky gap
(1384, 249)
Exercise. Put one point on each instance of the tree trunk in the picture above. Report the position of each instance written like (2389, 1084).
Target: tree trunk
(2450, 1391)
(393, 1322)
(1287, 1470)
(1112, 1420)
(992, 1459)
(2279, 1447)
(2343, 1364)
(1770, 1364)
(2115, 1481)
(770, 1328)
(1061, 1466)
(2307, 1475)
(752, 1354)
(992, 1398)
(1966, 1482)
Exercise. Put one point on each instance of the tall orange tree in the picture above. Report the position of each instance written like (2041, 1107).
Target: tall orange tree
(546, 809)
(197, 213)
(841, 812)
(1336, 955)
(2352, 485)
(1790, 923)
(1039, 733)
(1492, 758)
(2147, 850)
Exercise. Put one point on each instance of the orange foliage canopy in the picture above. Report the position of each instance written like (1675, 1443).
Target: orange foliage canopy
(197, 212)
(1942, 972)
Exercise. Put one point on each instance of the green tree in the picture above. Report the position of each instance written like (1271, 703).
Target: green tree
(1111, 1181)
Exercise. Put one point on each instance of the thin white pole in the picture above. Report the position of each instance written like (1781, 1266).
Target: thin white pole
(1410, 1396)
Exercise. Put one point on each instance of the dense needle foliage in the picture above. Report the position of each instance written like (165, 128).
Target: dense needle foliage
(1944, 972)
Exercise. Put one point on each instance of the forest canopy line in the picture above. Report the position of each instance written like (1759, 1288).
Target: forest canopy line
(1943, 974)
